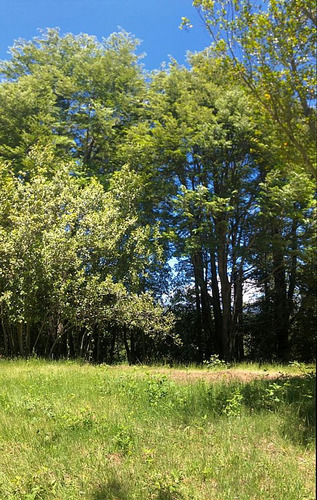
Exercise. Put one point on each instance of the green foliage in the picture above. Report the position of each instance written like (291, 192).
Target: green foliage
(274, 393)
(71, 92)
(157, 389)
(167, 486)
(73, 253)
(272, 46)
(232, 408)
(215, 362)
(120, 193)
(123, 440)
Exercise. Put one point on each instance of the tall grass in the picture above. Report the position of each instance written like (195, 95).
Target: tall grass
(71, 431)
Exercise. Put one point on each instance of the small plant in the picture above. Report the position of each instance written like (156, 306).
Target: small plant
(275, 393)
(123, 440)
(167, 486)
(41, 485)
(148, 455)
(215, 362)
(233, 405)
(157, 389)
(84, 419)
(207, 473)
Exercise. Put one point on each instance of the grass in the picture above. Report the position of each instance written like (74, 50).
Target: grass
(71, 431)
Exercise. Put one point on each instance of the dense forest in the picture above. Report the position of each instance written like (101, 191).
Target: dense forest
(165, 215)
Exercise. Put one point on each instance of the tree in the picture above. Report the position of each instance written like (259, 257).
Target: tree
(272, 45)
(72, 92)
(107, 178)
(72, 256)
(272, 49)
(285, 221)
(199, 138)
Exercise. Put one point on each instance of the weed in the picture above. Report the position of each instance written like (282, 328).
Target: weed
(157, 389)
(84, 419)
(303, 369)
(273, 394)
(215, 362)
(165, 486)
(233, 405)
(123, 440)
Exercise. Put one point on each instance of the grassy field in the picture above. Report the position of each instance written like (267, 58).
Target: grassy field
(72, 431)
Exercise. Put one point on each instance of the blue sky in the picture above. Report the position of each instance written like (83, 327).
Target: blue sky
(155, 22)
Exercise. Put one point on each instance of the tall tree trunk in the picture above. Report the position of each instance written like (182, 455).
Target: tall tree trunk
(205, 303)
(226, 334)
(126, 345)
(238, 314)
(143, 346)
(292, 276)
(27, 340)
(281, 312)
(20, 338)
(216, 306)
(112, 346)
(98, 346)
(13, 349)
(5, 334)
(132, 349)
(198, 324)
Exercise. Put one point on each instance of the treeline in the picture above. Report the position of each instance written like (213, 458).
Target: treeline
(161, 216)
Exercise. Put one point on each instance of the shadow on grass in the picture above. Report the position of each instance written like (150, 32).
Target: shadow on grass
(293, 398)
(112, 490)
(165, 495)
(115, 490)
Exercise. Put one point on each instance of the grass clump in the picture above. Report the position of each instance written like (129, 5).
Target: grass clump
(71, 430)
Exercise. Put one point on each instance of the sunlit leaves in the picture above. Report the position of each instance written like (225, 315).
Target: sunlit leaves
(273, 47)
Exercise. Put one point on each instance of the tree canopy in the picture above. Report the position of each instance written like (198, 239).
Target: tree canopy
(162, 216)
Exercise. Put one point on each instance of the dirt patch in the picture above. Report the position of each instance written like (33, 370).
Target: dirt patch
(114, 459)
(218, 376)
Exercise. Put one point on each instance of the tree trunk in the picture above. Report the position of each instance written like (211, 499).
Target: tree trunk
(98, 347)
(27, 340)
(226, 337)
(205, 304)
(281, 313)
(132, 348)
(81, 351)
(216, 306)
(143, 346)
(238, 314)
(20, 338)
(126, 345)
(198, 317)
(5, 335)
(292, 276)
(112, 347)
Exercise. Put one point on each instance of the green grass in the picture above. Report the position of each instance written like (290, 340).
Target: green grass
(71, 431)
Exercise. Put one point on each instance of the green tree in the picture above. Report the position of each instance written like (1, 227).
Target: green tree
(199, 137)
(72, 257)
(272, 45)
(72, 92)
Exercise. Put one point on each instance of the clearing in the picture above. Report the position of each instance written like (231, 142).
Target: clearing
(70, 430)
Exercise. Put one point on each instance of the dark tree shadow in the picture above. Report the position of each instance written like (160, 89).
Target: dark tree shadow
(297, 396)
(112, 490)
(166, 495)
